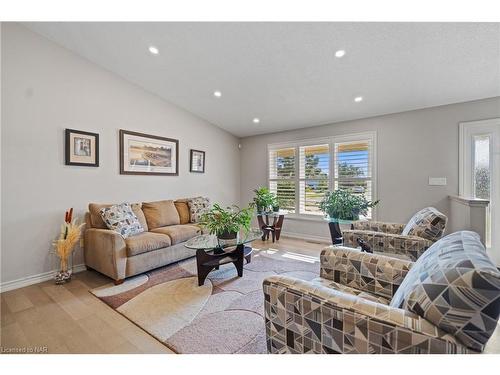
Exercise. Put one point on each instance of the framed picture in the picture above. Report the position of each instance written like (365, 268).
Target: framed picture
(197, 161)
(148, 154)
(81, 148)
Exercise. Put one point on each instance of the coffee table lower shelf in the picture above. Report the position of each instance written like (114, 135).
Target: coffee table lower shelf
(207, 262)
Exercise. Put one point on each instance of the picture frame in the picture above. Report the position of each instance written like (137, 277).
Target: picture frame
(197, 161)
(81, 148)
(146, 154)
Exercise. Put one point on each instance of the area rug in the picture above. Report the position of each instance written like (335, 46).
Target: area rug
(225, 315)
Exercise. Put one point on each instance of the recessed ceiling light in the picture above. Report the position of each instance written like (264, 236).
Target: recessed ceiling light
(358, 99)
(256, 120)
(217, 94)
(154, 50)
(340, 53)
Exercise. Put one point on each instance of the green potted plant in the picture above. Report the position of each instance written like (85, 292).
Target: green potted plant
(276, 204)
(225, 223)
(264, 199)
(343, 207)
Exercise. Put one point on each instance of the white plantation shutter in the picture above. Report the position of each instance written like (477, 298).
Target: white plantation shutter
(300, 173)
(282, 174)
(314, 167)
(354, 167)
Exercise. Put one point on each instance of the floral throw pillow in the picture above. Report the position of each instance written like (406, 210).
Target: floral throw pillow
(197, 206)
(120, 218)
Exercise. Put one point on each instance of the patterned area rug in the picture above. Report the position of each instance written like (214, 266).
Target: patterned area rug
(225, 315)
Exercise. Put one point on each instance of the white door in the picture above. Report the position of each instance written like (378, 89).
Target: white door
(480, 173)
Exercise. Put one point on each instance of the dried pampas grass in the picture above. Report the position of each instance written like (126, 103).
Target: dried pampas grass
(70, 234)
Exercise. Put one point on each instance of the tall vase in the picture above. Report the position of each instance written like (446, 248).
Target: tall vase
(63, 269)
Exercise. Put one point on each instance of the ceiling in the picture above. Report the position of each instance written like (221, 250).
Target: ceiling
(286, 74)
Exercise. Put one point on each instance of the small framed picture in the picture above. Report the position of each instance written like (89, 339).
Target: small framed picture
(81, 148)
(148, 154)
(197, 161)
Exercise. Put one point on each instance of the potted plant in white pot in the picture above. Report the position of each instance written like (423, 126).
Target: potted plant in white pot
(264, 200)
(226, 223)
(343, 207)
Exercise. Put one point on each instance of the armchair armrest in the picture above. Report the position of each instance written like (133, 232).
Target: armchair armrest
(379, 226)
(410, 246)
(373, 273)
(105, 251)
(302, 317)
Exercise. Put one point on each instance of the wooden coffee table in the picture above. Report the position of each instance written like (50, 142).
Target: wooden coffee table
(212, 253)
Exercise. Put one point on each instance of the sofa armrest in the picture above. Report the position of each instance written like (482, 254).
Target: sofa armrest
(302, 317)
(379, 226)
(372, 273)
(105, 251)
(409, 246)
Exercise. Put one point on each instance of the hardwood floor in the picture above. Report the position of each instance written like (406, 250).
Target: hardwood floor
(68, 319)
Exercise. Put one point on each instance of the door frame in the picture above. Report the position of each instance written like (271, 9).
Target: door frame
(465, 188)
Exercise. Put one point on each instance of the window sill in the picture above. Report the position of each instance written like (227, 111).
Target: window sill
(318, 219)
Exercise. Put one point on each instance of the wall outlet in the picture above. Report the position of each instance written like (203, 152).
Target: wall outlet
(437, 181)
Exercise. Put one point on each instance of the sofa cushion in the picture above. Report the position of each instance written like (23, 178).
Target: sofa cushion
(179, 233)
(160, 213)
(427, 223)
(96, 218)
(183, 211)
(146, 241)
(454, 285)
(120, 218)
(198, 206)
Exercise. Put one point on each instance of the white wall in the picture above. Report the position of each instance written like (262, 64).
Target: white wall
(46, 89)
(412, 146)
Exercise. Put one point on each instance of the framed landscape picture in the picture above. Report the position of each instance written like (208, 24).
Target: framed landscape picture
(197, 161)
(81, 148)
(148, 154)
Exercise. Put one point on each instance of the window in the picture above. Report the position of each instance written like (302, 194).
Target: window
(282, 177)
(313, 181)
(301, 173)
(353, 169)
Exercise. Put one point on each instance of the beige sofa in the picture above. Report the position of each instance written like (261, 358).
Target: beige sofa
(166, 226)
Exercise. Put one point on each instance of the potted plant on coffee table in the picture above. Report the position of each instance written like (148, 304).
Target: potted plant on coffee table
(226, 223)
(342, 206)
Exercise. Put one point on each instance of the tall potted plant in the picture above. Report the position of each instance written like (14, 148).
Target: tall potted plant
(226, 223)
(264, 199)
(343, 207)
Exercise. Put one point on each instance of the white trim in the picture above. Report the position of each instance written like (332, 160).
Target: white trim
(34, 279)
(307, 237)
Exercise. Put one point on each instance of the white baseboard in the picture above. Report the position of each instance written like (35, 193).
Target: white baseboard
(307, 237)
(34, 279)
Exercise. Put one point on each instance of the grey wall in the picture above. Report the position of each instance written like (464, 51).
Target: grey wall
(411, 147)
(46, 89)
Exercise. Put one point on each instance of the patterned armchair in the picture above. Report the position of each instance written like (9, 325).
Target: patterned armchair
(371, 303)
(407, 240)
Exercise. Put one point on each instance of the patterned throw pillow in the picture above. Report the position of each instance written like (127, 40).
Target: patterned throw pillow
(197, 206)
(427, 223)
(120, 218)
(454, 285)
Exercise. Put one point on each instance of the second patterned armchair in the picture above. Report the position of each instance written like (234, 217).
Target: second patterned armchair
(448, 301)
(406, 240)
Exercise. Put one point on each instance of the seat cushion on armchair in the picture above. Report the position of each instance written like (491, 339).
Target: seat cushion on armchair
(179, 233)
(454, 285)
(347, 289)
(146, 241)
(427, 223)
